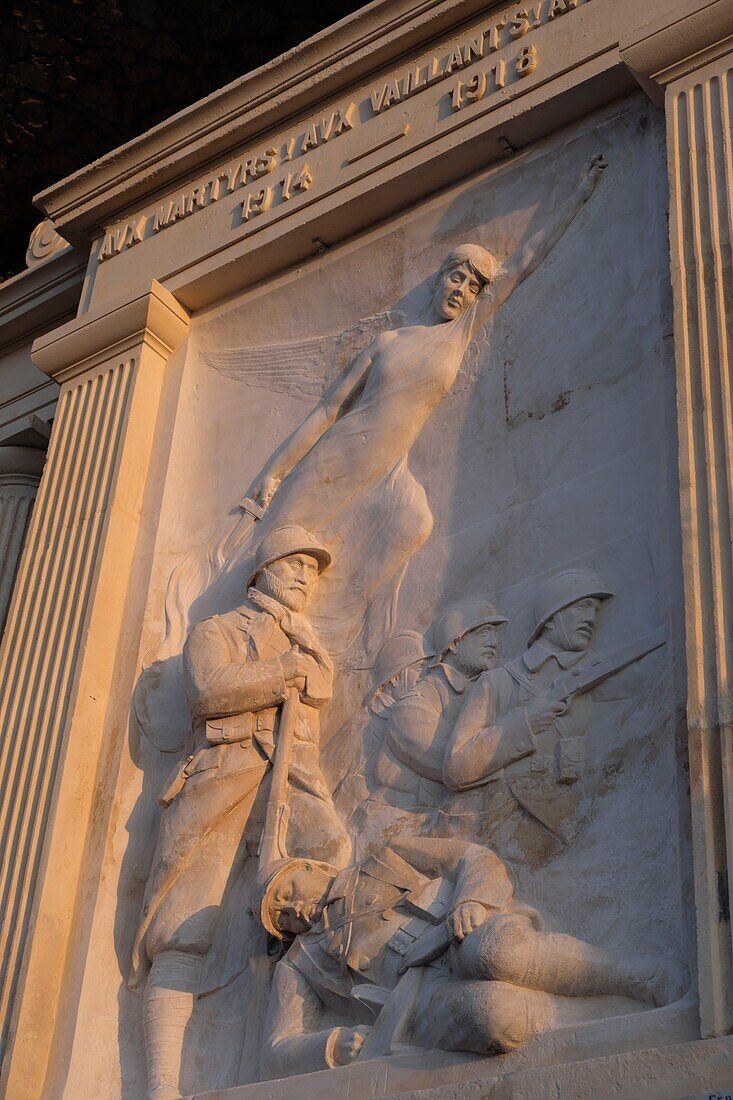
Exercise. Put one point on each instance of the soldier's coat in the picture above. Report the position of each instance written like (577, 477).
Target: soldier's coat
(234, 685)
(340, 972)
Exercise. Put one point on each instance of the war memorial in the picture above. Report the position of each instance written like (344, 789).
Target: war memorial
(366, 513)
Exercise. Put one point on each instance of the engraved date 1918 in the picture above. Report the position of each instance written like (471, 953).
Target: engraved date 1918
(493, 79)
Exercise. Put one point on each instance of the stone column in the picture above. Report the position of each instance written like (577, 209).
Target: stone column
(68, 647)
(688, 67)
(20, 473)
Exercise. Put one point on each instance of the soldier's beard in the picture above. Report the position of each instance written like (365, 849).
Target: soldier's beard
(295, 599)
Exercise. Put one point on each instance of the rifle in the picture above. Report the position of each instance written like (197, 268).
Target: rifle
(274, 834)
(580, 680)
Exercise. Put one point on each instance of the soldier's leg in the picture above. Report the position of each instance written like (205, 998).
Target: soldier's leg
(480, 1016)
(201, 846)
(509, 948)
(167, 1009)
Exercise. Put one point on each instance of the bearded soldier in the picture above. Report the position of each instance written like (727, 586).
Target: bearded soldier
(239, 668)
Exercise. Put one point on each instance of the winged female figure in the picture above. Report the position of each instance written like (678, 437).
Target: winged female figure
(344, 472)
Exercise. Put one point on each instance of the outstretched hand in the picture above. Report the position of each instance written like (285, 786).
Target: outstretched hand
(591, 174)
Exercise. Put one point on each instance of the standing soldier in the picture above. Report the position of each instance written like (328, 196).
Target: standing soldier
(400, 664)
(239, 669)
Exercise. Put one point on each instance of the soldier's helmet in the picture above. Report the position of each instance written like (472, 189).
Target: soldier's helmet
(461, 619)
(403, 649)
(286, 540)
(563, 590)
(268, 878)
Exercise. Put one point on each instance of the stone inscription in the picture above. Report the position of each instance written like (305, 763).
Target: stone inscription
(294, 183)
(504, 30)
(507, 28)
(235, 176)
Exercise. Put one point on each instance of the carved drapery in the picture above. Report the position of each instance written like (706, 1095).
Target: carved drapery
(58, 658)
(20, 473)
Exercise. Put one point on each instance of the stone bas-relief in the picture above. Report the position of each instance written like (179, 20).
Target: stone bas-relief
(423, 943)
(468, 770)
(345, 471)
(262, 173)
(518, 732)
(458, 824)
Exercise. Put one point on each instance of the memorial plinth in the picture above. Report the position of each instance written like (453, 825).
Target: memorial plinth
(366, 716)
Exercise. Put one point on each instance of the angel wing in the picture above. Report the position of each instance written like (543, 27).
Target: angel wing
(301, 366)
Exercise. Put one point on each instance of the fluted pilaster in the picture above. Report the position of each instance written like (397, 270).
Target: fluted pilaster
(699, 114)
(20, 473)
(62, 648)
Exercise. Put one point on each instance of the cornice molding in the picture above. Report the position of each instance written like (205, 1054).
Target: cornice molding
(155, 319)
(689, 36)
(283, 89)
(40, 297)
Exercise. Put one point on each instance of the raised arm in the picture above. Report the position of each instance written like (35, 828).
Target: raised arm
(326, 412)
(529, 257)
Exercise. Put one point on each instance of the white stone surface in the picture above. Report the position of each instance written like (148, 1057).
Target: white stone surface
(552, 451)
(562, 821)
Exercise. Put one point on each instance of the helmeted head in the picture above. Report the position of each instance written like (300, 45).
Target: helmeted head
(397, 668)
(287, 565)
(291, 895)
(463, 273)
(469, 634)
(566, 609)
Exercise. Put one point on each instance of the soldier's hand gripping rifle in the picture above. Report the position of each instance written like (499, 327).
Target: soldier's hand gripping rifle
(274, 834)
(579, 680)
(569, 752)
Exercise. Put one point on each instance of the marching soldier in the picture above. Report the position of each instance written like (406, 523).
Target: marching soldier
(400, 664)
(520, 735)
(408, 767)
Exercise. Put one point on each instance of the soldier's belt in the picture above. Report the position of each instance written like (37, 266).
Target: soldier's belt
(239, 727)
